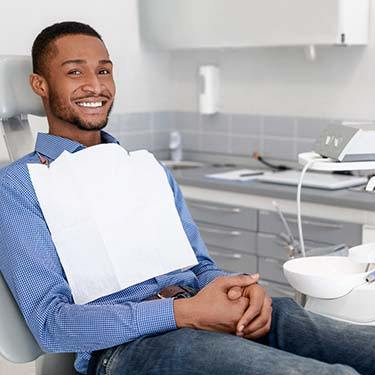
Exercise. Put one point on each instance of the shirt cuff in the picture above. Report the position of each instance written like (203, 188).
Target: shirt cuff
(155, 316)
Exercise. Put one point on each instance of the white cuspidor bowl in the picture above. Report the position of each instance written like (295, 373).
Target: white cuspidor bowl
(324, 276)
(363, 253)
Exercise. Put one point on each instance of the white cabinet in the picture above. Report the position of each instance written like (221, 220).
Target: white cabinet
(186, 24)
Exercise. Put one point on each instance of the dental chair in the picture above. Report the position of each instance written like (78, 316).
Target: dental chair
(17, 100)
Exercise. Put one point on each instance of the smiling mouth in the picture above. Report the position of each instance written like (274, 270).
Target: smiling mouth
(91, 104)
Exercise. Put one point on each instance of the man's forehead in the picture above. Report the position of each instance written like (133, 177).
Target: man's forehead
(80, 47)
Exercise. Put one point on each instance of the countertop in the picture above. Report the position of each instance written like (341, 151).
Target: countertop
(348, 198)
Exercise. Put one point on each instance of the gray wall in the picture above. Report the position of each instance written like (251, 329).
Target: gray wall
(142, 76)
(237, 135)
(281, 82)
(273, 99)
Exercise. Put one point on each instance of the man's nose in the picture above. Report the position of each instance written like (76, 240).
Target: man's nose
(92, 84)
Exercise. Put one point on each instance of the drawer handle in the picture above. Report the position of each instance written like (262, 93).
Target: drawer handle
(316, 224)
(232, 210)
(227, 256)
(233, 233)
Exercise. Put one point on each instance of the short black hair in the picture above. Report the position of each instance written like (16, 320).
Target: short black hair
(41, 49)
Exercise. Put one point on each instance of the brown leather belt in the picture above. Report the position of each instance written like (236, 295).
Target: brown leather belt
(173, 291)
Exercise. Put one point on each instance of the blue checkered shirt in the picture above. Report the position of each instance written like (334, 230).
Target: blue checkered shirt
(31, 268)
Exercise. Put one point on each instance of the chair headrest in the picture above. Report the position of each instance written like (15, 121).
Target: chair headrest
(16, 95)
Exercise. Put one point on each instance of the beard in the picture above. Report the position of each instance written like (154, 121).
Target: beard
(65, 113)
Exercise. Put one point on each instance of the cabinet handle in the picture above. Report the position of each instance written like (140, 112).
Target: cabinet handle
(316, 224)
(232, 210)
(227, 256)
(233, 233)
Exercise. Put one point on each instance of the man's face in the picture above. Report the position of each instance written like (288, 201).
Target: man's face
(80, 82)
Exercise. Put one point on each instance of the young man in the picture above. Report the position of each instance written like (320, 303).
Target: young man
(209, 322)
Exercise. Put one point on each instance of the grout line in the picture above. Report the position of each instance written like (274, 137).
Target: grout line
(152, 128)
(261, 141)
(230, 139)
(295, 148)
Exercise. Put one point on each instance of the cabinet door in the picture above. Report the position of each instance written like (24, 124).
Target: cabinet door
(229, 238)
(319, 230)
(233, 261)
(271, 269)
(272, 246)
(223, 214)
(277, 290)
(182, 24)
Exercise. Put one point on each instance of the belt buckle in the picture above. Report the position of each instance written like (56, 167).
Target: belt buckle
(160, 296)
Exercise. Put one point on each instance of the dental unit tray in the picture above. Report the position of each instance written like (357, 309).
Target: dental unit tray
(328, 164)
(326, 181)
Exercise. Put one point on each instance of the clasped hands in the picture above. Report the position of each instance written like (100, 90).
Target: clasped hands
(231, 304)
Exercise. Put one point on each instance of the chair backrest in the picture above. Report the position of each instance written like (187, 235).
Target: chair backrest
(16, 342)
(16, 95)
(16, 101)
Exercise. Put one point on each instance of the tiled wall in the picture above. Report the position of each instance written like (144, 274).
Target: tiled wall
(241, 135)
(148, 130)
(225, 134)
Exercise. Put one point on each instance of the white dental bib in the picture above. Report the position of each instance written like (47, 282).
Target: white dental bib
(112, 218)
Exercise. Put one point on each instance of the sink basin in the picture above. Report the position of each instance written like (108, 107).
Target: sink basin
(324, 276)
(183, 164)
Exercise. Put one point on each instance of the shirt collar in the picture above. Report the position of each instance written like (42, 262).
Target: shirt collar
(53, 146)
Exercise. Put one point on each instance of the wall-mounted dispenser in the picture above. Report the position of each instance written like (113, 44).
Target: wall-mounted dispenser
(210, 90)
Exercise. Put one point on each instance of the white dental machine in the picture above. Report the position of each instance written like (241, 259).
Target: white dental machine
(341, 287)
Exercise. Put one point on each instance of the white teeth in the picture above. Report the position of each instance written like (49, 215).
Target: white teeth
(90, 104)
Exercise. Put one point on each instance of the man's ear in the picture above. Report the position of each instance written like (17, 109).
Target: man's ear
(39, 85)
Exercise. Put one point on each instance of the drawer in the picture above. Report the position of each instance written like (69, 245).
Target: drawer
(233, 261)
(326, 231)
(228, 238)
(271, 269)
(226, 215)
(271, 245)
(277, 290)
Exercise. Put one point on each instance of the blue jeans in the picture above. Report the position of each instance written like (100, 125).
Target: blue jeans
(299, 343)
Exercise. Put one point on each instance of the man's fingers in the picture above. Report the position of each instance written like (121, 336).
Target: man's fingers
(252, 312)
(256, 298)
(260, 332)
(261, 320)
(227, 282)
(235, 292)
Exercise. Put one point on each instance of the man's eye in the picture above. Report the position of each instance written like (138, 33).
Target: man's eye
(104, 71)
(74, 73)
